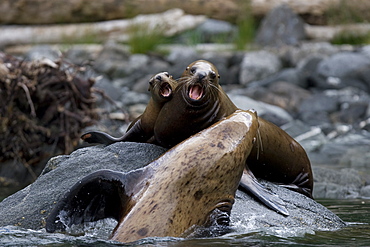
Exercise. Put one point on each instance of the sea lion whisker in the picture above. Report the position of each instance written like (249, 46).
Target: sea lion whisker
(259, 144)
(155, 86)
(216, 87)
(185, 79)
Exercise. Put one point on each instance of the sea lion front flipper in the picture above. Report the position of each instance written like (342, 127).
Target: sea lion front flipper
(98, 137)
(135, 133)
(250, 183)
(102, 194)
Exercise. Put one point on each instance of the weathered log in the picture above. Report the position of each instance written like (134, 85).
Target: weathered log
(313, 7)
(76, 11)
(170, 22)
(328, 33)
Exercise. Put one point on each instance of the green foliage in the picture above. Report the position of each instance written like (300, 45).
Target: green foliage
(88, 38)
(348, 11)
(347, 37)
(246, 32)
(246, 26)
(144, 39)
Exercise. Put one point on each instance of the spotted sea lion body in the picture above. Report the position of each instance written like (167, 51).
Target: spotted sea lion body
(183, 188)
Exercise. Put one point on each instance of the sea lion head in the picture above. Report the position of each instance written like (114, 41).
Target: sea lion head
(161, 86)
(201, 81)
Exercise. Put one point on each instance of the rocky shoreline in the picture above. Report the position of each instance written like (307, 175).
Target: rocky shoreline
(317, 92)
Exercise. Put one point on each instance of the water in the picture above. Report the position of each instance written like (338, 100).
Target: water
(355, 212)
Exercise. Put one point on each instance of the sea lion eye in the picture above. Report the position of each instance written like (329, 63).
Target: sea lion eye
(212, 74)
(193, 70)
(166, 73)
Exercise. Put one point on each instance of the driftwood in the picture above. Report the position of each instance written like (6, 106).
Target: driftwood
(169, 23)
(76, 11)
(328, 33)
(43, 103)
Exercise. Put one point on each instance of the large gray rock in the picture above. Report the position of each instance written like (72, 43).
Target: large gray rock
(316, 109)
(281, 27)
(294, 55)
(257, 65)
(272, 113)
(342, 184)
(280, 93)
(30, 207)
(342, 70)
(210, 31)
(305, 214)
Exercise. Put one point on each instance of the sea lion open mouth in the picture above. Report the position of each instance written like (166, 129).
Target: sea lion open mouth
(195, 92)
(165, 90)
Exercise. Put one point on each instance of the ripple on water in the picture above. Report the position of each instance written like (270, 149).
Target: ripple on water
(356, 233)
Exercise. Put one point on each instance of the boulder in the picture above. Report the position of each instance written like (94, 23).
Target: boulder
(257, 65)
(269, 112)
(315, 109)
(280, 93)
(280, 27)
(210, 31)
(339, 184)
(342, 70)
(305, 214)
(30, 207)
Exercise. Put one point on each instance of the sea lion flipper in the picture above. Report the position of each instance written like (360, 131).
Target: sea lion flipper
(98, 137)
(301, 184)
(271, 200)
(136, 133)
(102, 194)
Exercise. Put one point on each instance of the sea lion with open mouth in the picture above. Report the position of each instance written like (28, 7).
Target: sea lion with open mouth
(199, 101)
(141, 129)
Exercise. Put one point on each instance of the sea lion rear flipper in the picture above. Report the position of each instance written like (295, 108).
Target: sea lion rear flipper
(250, 183)
(102, 194)
(301, 184)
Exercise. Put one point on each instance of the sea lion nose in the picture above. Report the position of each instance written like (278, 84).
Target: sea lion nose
(201, 75)
(159, 78)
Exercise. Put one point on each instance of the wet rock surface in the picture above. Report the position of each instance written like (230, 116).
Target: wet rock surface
(30, 207)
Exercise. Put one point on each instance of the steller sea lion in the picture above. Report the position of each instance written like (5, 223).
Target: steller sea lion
(161, 87)
(184, 188)
(199, 101)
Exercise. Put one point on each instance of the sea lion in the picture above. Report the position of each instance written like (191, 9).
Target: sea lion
(185, 187)
(161, 87)
(199, 101)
